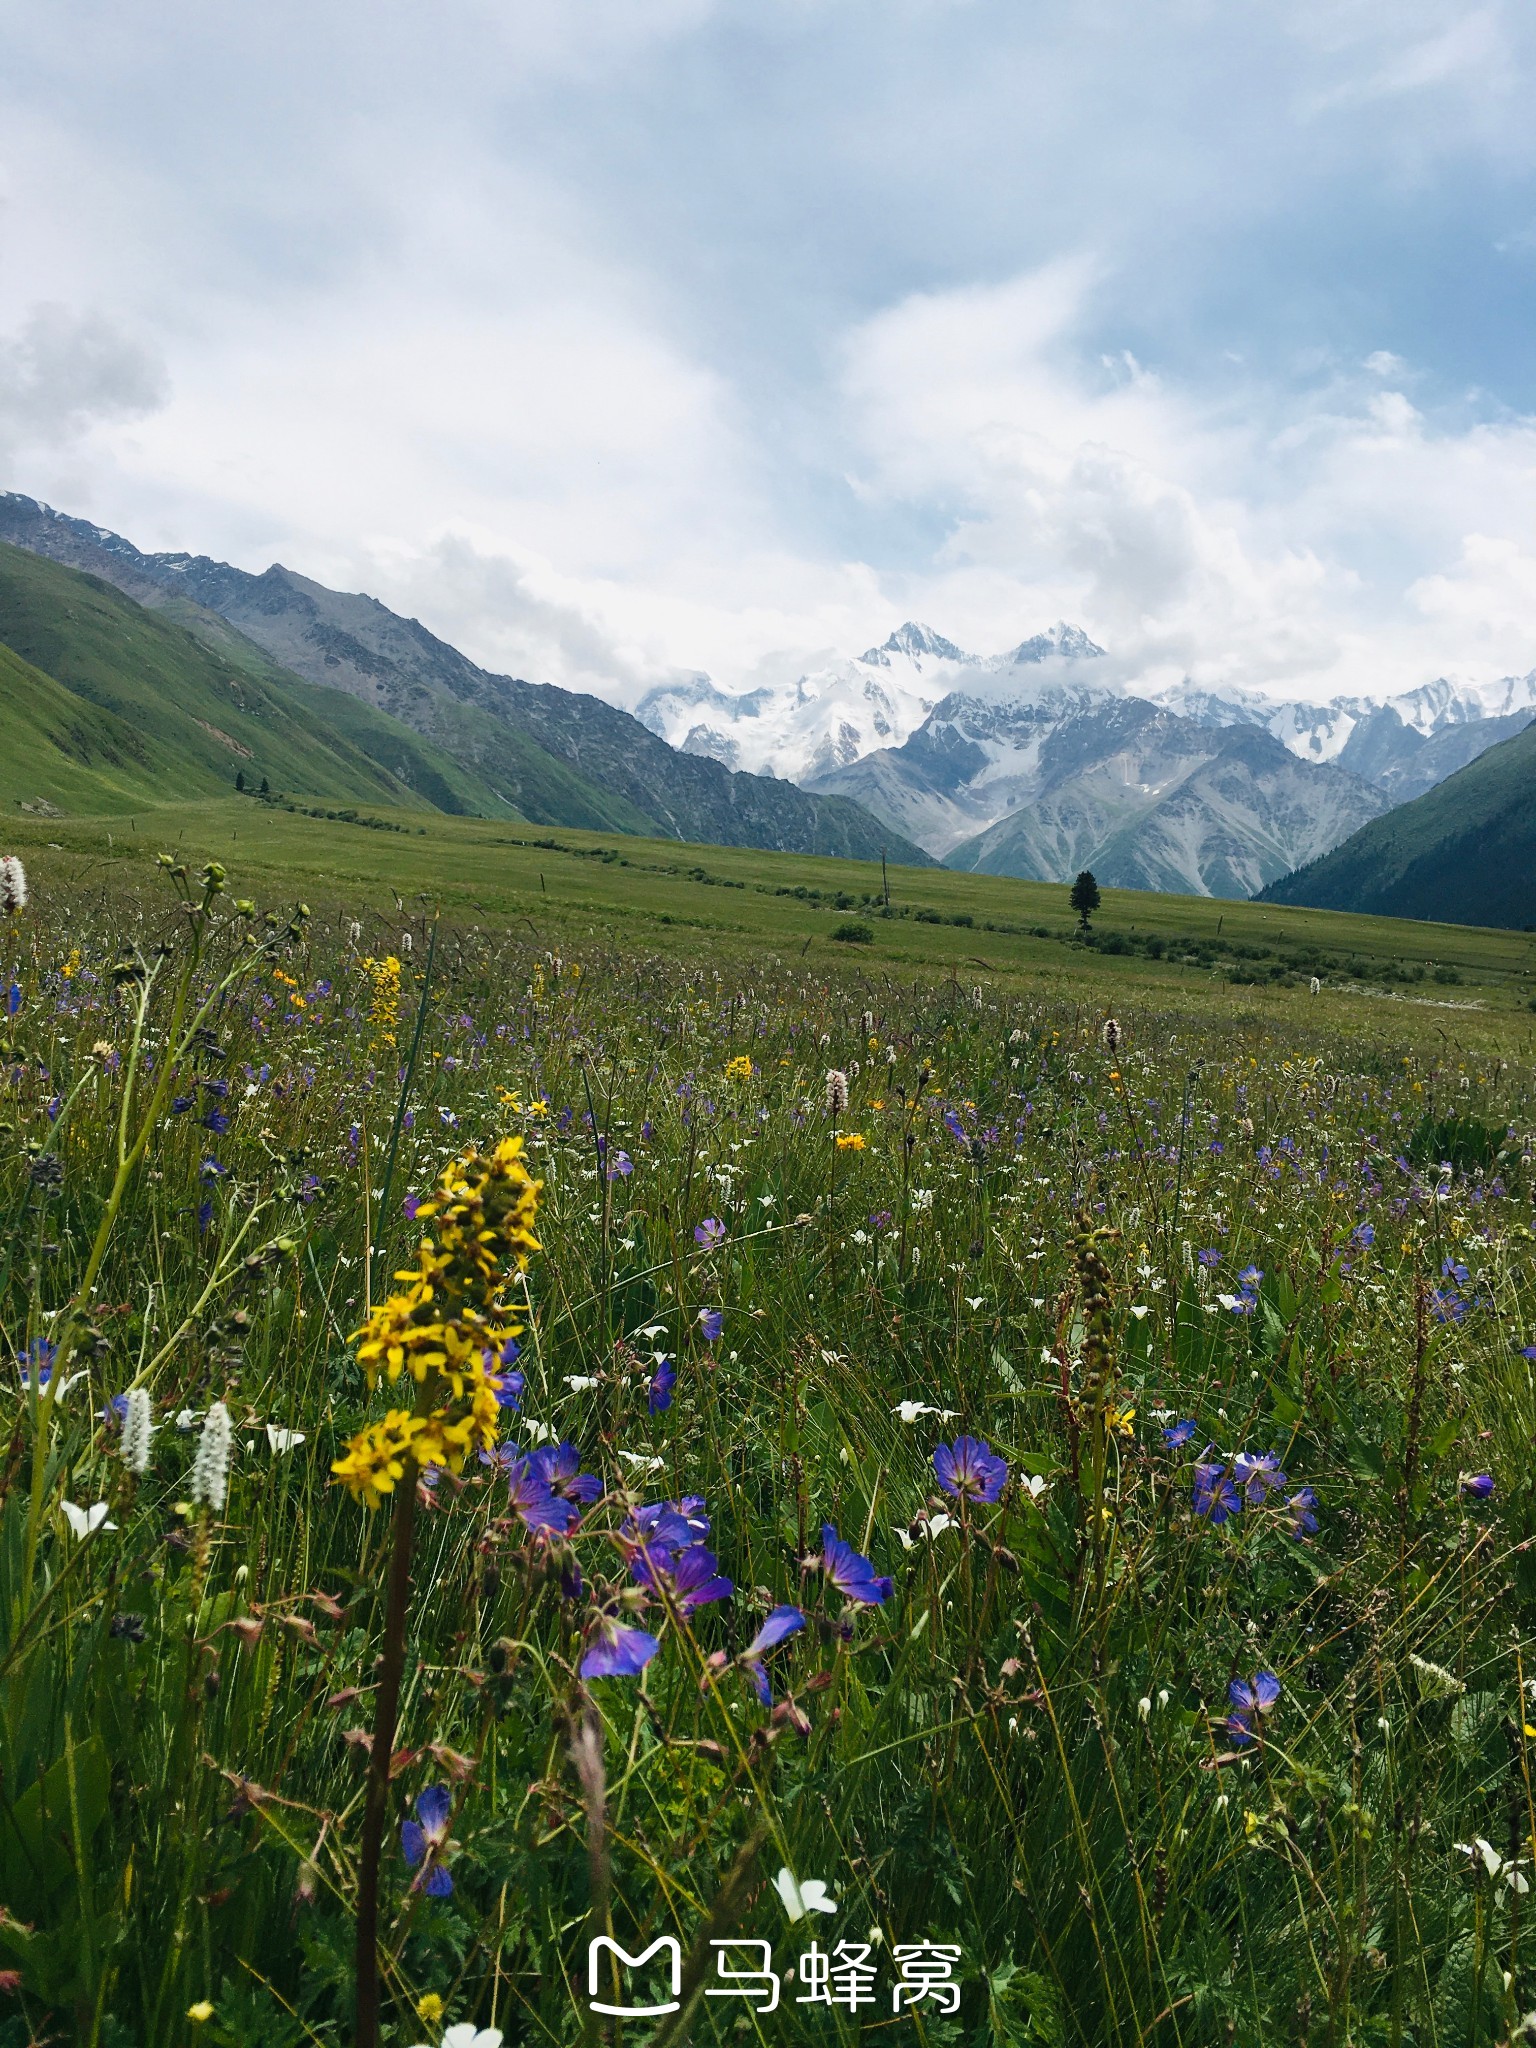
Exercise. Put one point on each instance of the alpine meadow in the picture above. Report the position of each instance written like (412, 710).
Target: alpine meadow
(616, 1441)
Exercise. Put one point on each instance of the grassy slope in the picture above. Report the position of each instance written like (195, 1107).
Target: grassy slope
(470, 763)
(1466, 849)
(431, 774)
(714, 902)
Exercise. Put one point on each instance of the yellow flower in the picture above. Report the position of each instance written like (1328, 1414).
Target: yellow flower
(203, 2010)
(429, 2007)
(374, 1461)
(739, 1068)
(850, 1141)
(1120, 1419)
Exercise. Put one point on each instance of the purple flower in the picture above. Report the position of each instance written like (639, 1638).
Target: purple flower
(1301, 1507)
(559, 1466)
(13, 999)
(1210, 1258)
(1363, 1235)
(618, 1651)
(217, 1121)
(781, 1624)
(852, 1574)
(425, 1838)
(1450, 1270)
(1178, 1434)
(620, 1166)
(664, 1528)
(709, 1233)
(1251, 1700)
(180, 1104)
(970, 1469)
(530, 1496)
(955, 1128)
(204, 1214)
(662, 1381)
(1447, 1307)
(1528, 1351)
(689, 1575)
(711, 1323)
(1257, 1477)
(1215, 1497)
(1478, 1485)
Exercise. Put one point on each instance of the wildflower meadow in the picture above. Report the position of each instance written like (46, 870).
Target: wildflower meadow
(556, 1492)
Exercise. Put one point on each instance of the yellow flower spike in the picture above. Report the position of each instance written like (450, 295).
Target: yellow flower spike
(850, 1141)
(203, 2010)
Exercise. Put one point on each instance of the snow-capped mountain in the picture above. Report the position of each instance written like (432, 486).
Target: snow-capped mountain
(836, 714)
(1032, 765)
(849, 708)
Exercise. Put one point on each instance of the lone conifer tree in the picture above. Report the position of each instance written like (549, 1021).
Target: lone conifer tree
(1085, 897)
(239, 778)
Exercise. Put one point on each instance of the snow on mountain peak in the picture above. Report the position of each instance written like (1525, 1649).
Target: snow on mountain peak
(915, 642)
(1061, 641)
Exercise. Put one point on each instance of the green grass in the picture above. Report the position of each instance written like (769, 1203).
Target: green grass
(1317, 1247)
(657, 894)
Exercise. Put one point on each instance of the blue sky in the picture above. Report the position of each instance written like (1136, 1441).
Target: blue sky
(619, 337)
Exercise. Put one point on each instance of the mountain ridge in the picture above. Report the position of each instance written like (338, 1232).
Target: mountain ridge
(546, 752)
(1464, 852)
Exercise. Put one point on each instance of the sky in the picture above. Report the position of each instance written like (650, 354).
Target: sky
(619, 340)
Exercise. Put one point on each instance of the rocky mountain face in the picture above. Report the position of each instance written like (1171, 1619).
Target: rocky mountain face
(554, 755)
(1144, 797)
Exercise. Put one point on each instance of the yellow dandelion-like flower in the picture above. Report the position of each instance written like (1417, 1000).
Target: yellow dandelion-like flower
(850, 1141)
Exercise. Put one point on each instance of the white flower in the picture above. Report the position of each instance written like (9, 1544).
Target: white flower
(651, 1331)
(186, 1418)
(937, 1524)
(465, 2034)
(1033, 1484)
(922, 1199)
(800, 1899)
(13, 885)
(86, 1521)
(909, 1411)
(1144, 1708)
(640, 1461)
(580, 1382)
(136, 1431)
(210, 1467)
(974, 1302)
(1140, 1309)
(284, 1439)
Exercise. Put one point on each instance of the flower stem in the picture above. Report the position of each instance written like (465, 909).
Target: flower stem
(376, 1802)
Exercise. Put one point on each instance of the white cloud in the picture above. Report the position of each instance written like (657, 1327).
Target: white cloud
(620, 341)
(63, 372)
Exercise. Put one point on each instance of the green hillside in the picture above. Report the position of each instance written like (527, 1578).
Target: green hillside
(148, 705)
(1465, 852)
(467, 764)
